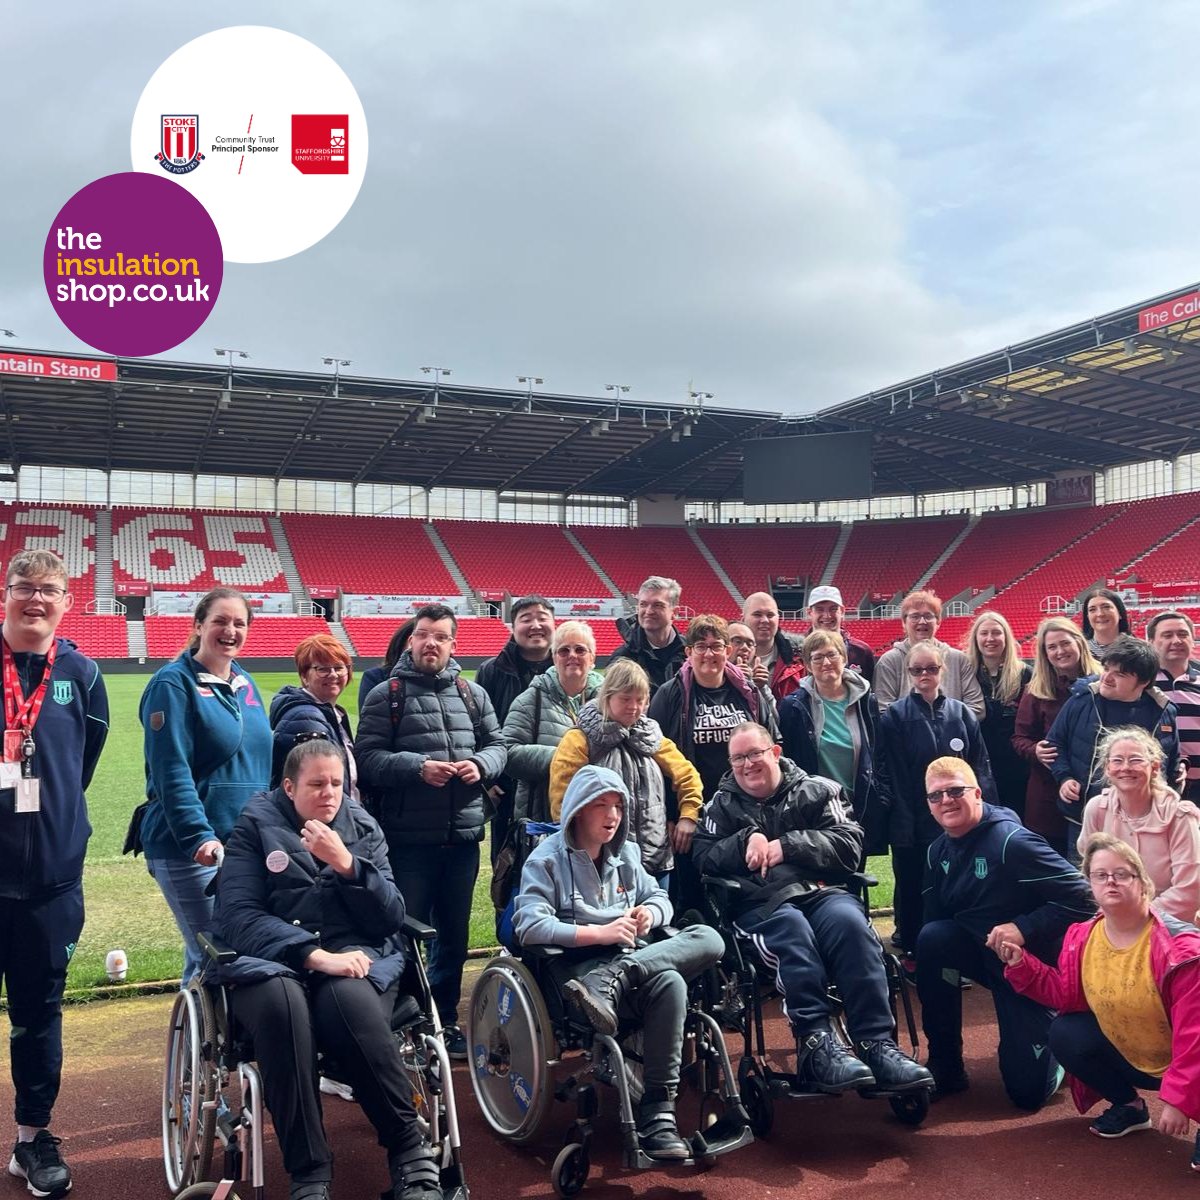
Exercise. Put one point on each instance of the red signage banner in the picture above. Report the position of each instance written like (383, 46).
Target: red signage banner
(1161, 315)
(58, 368)
(323, 593)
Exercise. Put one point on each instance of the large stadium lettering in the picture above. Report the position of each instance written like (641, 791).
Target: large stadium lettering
(146, 549)
(61, 530)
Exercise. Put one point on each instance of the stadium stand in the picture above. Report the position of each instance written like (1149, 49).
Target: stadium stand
(67, 529)
(519, 558)
(884, 559)
(1174, 565)
(627, 556)
(195, 550)
(97, 637)
(364, 555)
(753, 555)
(269, 636)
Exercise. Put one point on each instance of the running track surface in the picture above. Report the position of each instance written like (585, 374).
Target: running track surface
(972, 1147)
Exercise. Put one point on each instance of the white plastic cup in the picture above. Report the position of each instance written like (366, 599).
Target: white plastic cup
(116, 964)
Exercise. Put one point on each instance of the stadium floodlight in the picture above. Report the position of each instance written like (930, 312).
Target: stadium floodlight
(438, 374)
(8, 333)
(701, 396)
(337, 364)
(530, 382)
(226, 397)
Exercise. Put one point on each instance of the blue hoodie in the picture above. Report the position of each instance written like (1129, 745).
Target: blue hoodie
(561, 887)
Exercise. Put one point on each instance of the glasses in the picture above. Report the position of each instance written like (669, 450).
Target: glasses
(442, 639)
(751, 756)
(1120, 877)
(1134, 760)
(566, 651)
(50, 592)
(944, 794)
(917, 671)
(709, 647)
(325, 670)
(920, 618)
(740, 641)
(827, 656)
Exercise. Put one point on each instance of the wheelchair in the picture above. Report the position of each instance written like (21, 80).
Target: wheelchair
(745, 984)
(206, 1050)
(527, 1049)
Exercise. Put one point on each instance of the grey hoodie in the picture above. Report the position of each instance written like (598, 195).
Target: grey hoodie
(561, 887)
(958, 679)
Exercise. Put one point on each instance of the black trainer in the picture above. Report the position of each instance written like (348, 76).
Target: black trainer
(456, 1042)
(894, 1071)
(41, 1166)
(598, 994)
(1120, 1119)
(949, 1077)
(415, 1174)
(658, 1132)
(825, 1064)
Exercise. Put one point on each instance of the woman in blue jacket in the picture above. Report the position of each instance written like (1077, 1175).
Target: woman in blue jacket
(208, 750)
(918, 728)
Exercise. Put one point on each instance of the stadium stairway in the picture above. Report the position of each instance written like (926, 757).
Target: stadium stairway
(136, 632)
(287, 561)
(718, 570)
(447, 558)
(935, 566)
(835, 556)
(339, 631)
(105, 590)
(603, 575)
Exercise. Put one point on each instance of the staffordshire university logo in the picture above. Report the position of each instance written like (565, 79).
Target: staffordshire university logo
(321, 143)
(179, 143)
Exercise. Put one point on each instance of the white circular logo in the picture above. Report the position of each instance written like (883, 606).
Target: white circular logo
(264, 129)
(957, 745)
(278, 862)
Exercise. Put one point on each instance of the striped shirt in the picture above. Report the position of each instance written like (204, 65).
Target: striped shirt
(1184, 693)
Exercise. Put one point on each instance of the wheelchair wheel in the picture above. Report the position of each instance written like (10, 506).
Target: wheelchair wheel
(911, 1107)
(189, 1088)
(570, 1170)
(759, 1106)
(511, 1045)
(198, 1191)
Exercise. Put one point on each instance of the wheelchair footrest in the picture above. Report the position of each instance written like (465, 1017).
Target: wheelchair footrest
(730, 1132)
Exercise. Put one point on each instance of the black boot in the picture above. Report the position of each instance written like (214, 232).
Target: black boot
(825, 1064)
(319, 1190)
(894, 1071)
(415, 1174)
(598, 994)
(949, 1076)
(658, 1133)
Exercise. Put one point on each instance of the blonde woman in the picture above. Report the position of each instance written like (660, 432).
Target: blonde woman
(1138, 807)
(614, 731)
(991, 649)
(1062, 657)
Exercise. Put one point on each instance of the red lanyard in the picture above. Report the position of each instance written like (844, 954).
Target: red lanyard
(21, 712)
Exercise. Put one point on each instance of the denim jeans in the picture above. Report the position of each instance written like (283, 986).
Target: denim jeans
(183, 882)
(438, 883)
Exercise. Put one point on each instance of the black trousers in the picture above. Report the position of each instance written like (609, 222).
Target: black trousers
(346, 1019)
(946, 951)
(908, 901)
(37, 939)
(1080, 1045)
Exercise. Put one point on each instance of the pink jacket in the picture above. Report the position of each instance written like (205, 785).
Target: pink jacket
(1168, 840)
(1175, 963)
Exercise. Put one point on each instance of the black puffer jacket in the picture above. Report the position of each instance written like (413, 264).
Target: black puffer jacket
(295, 711)
(810, 816)
(435, 723)
(276, 903)
(507, 675)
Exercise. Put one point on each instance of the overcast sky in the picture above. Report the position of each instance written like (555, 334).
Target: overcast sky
(787, 204)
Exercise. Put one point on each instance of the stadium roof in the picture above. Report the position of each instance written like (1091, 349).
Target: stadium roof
(1120, 388)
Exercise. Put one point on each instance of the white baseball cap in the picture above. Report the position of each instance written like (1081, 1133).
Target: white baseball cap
(818, 594)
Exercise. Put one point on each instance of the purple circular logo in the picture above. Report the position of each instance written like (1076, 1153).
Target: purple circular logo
(133, 264)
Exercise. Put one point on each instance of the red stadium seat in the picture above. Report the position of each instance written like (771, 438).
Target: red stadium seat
(269, 636)
(753, 555)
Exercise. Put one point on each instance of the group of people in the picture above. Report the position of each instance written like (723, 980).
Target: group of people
(731, 749)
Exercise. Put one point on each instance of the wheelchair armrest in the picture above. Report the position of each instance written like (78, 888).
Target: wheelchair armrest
(862, 881)
(542, 952)
(719, 883)
(417, 930)
(220, 952)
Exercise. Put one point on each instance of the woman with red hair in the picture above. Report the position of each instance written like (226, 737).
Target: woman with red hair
(311, 710)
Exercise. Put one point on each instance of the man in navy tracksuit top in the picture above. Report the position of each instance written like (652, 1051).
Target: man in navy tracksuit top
(55, 723)
(989, 880)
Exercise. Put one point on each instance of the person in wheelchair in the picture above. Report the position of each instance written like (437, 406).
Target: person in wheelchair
(787, 837)
(584, 889)
(306, 898)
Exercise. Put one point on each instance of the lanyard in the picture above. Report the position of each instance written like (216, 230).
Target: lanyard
(21, 712)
